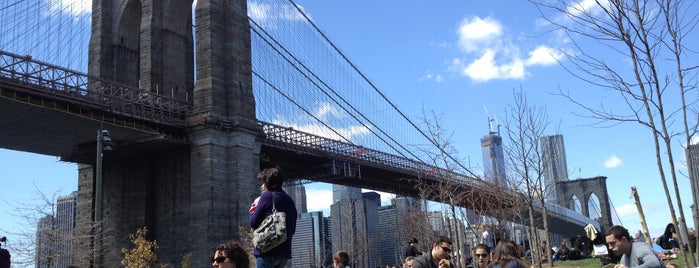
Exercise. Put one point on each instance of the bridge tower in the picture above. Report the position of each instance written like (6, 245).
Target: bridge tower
(583, 189)
(192, 196)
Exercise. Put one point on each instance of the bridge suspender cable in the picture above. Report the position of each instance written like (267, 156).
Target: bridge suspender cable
(325, 92)
(381, 93)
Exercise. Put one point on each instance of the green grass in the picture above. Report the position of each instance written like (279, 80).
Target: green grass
(584, 263)
(597, 263)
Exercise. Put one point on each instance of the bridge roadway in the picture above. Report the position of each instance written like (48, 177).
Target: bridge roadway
(50, 110)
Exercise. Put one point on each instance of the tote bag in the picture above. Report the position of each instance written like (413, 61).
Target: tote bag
(271, 232)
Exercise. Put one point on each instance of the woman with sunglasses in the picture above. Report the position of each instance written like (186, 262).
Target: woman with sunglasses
(481, 256)
(230, 255)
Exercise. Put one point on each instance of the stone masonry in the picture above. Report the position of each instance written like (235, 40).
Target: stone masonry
(583, 190)
(194, 196)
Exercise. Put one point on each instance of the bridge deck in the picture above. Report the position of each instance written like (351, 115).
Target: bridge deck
(64, 117)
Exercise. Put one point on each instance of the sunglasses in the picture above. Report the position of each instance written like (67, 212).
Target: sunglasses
(220, 259)
(481, 255)
(446, 249)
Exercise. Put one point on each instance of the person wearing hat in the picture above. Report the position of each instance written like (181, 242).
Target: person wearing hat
(411, 250)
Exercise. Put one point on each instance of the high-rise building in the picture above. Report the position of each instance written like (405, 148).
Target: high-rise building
(311, 245)
(493, 157)
(298, 194)
(354, 226)
(388, 228)
(436, 220)
(553, 154)
(345, 192)
(54, 235)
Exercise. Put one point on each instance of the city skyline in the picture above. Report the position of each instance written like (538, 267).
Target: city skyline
(381, 46)
(54, 234)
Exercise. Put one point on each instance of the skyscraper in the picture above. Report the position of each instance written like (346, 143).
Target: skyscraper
(354, 226)
(553, 154)
(55, 234)
(345, 192)
(311, 244)
(298, 194)
(493, 157)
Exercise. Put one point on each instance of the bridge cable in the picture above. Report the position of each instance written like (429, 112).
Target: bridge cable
(299, 105)
(378, 91)
(324, 91)
(10, 5)
(614, 210)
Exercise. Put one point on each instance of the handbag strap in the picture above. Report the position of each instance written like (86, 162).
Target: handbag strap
(274, 208)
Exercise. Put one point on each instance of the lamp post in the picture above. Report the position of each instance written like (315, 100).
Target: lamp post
(102, 137)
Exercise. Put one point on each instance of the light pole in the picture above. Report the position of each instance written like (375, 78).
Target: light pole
(102, 137)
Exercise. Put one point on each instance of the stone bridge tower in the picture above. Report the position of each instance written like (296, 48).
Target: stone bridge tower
(583, 189)
(193, 195)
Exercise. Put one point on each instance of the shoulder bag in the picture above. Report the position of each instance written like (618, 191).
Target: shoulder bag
(271, 232)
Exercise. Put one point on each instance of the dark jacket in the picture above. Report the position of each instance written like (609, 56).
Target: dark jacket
(4, 258)
(283, 203)
(411, 250)
(424, 261)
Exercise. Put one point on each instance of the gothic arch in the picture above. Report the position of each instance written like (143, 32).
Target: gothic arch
(582, 190)
(144, 43)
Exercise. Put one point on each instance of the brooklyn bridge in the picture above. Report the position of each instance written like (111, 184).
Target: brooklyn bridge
(193, 112)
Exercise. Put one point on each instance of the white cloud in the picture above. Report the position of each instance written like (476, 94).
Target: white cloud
(581, 7)
(74, 8)
(612, 162)
(626, 211)
(326, 110)
(431, 76)
(319, 199)
(475, 33)
(544, 55)
(491, 54)
(320, 130)
(269, 15)
(482, 69)
(486, 68)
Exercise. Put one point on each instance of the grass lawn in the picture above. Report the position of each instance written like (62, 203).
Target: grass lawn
(596, 263)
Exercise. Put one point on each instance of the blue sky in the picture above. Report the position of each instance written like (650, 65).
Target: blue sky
(462, 59)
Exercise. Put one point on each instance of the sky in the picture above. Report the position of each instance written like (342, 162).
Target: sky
(463, 60)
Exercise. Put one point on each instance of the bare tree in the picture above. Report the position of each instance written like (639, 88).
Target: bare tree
(525, 125)
(49, 240)
(440, 153)
(459, 193)
(649, 34)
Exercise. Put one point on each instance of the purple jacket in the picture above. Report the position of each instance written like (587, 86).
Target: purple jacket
(283, 203)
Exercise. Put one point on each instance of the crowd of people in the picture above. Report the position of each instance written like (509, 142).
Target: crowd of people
(491, 252)
(622, 249)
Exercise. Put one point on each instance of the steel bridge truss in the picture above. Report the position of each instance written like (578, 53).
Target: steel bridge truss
(280, 136)
(34, 77)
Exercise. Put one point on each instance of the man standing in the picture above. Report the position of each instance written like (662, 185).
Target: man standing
(633, 254)
(411, 250)
(441, 248)
(487, 238)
